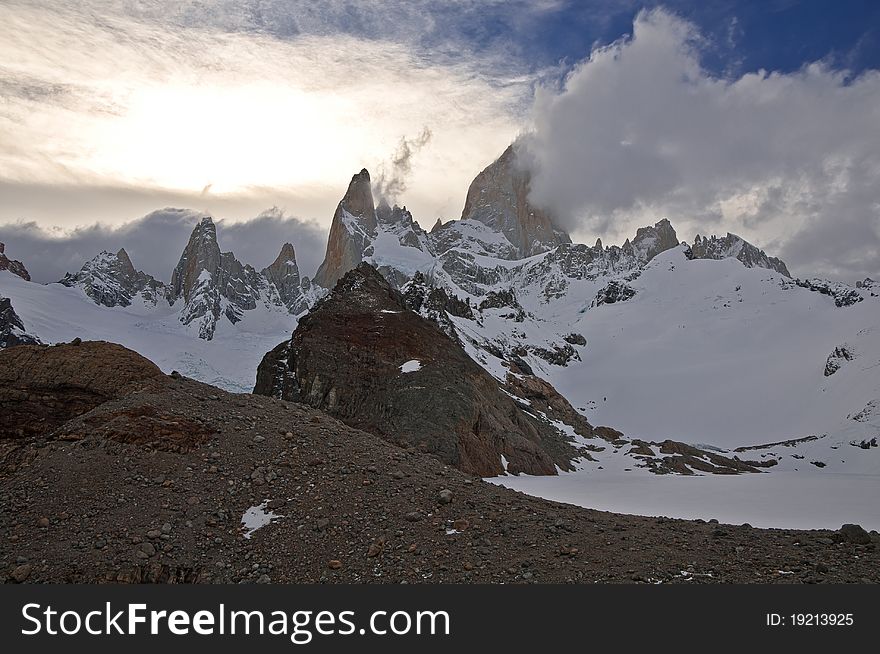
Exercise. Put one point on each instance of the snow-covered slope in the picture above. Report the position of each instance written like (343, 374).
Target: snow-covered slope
(56, 313)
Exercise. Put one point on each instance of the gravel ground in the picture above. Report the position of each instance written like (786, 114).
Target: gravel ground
(153, 487)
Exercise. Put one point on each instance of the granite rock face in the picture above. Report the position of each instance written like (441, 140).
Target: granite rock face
(351, 231)
(214, 284)
(499, 198)
(363, 357)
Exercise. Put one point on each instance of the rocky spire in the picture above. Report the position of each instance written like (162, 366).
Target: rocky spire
(354, 224)
(204, 277)
(499, 198)
(201, 256)
(651, 241)
(15, 267)
(284, 274)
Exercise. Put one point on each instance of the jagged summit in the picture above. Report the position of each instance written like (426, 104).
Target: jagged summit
(362, 231)
(112, 280)
(283, 273)
(13, 266)
(499, 198)
(353, 226)
(212, 284)
(733, 246)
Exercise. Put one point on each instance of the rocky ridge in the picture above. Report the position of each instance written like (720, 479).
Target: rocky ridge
(363, 357)
(212, 284)
(112, 280)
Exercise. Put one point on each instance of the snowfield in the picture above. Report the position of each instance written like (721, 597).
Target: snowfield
(785, 500)
(56, 313)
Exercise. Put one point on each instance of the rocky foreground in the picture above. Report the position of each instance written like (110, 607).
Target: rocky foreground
(112, 471)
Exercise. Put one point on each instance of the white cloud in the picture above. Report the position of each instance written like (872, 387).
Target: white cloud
(640, 130)
(180, 97)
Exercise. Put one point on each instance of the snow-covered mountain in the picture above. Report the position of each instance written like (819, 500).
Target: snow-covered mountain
(711, 344)
(112, 281)
(213, 321)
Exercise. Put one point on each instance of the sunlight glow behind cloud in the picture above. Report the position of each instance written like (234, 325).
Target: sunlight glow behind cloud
(107, 100)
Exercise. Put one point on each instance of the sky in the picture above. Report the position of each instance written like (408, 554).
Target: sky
(758, 118)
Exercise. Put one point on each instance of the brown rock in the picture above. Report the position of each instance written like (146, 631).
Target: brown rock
(345, 358)
(21, 573)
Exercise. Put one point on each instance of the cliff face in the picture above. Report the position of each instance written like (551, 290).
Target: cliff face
(352, 229)
(363, 357)
(498, 198)
(284, 274)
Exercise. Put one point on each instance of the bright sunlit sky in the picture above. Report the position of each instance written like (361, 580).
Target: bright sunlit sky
(753, 117)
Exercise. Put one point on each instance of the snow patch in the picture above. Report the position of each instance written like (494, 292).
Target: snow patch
(257, 517)
(411, 366)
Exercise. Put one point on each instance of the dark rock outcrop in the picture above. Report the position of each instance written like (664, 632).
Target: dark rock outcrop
(13, 266)
(614, 291)
(843, 294)
(733, 246)
(841, 354)
(42, 386)
(12, 331)
(363, 357)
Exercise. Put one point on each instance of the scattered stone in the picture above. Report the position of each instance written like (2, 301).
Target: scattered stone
(334, 564)
(413, 516)
(21, 573)
(445, 496)
(461, 524)
(43, 522)
(376, 548)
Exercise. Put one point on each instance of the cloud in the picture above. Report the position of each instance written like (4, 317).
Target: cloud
(391, 180)
(156, 241)
(640, 130)
(250, 97)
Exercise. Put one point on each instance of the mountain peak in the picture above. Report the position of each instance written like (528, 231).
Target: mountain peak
(284, 274)
(112, 280)
(354, 224)
(499, 198)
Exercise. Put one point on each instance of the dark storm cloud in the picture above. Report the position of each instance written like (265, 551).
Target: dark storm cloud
(156, 241)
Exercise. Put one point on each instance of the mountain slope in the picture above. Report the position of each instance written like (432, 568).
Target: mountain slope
(362, 356)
